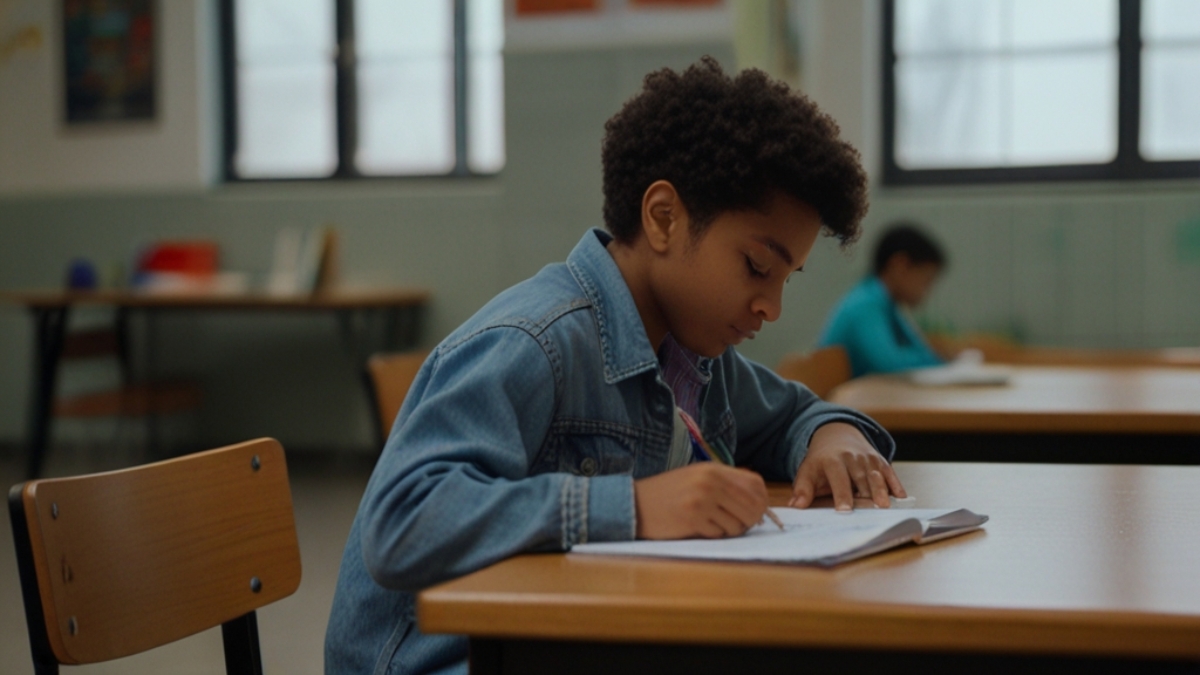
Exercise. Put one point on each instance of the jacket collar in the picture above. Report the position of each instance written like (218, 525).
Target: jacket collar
(624, 345)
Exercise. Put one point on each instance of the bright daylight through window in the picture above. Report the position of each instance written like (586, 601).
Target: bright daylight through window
(1012, 84)
(346, 88)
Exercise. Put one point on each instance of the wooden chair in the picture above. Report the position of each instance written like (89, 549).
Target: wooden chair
(389, 377)
(117, 563)
(820, 370)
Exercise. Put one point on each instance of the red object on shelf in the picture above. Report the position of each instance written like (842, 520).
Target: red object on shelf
(198, 258)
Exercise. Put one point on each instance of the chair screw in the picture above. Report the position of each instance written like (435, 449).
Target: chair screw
(54, 510)
(73, 626)
(255, 463)
(255, 584)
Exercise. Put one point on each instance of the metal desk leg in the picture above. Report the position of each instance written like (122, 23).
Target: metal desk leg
(50, 324)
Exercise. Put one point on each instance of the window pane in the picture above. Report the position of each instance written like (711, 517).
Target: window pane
(405, 86)
(1064, 110)
(1005, 83)
(1170, 20)
(286, 122)
(1170, 122)
(933, 26)
(954, 26)
(1056, 24)
(485, 86)
(406, 117)
(1170, 104)
(285, 89)
(948, 113)
(275, 30)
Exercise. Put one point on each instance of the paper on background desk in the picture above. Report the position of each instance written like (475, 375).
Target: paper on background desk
(823, 537)
(967, 368)
(960, 374)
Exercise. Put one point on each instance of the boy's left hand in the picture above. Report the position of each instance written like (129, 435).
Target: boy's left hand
(842, 462)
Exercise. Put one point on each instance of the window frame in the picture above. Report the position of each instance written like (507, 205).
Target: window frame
(1127, 165)
(345, 104)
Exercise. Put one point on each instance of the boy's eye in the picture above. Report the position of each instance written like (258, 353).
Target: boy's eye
(755, 269)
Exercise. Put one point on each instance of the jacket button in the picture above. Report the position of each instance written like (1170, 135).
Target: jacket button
(588, 466)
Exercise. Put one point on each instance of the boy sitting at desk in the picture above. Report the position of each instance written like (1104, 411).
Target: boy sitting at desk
(553, 416)
(870, 321)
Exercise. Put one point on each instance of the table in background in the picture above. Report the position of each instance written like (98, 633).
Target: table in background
(1088, 566)
(1094, 414)
(370, 319)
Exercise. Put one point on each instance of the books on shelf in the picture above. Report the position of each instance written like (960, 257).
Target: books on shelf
(304, 261)
(821, 537)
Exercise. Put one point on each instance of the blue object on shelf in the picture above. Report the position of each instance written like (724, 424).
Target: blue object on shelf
(81, 275)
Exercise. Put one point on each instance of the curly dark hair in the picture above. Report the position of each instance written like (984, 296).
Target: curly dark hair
(726, 144)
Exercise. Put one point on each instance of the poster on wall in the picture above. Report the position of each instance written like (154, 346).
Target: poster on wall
(109, 59)
(525, 7)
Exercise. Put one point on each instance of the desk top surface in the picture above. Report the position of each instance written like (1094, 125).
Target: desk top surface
(351, 298)
(1088, 399)
(1085, 559)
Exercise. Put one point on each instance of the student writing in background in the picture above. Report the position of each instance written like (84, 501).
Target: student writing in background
(871, 321)
(559, 413)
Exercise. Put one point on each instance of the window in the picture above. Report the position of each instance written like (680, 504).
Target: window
(359, 88)
(1006, 90)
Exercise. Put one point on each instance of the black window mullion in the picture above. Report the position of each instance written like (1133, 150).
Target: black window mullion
(346, 70)
(228, 35)
(460, 88)
(1129, 88)
(892, 173)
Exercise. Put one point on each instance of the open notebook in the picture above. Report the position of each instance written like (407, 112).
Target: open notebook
(823, 537)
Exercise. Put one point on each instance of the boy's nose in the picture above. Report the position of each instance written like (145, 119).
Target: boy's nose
(768, 306)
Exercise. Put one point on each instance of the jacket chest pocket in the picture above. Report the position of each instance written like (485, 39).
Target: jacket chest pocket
(588, 448)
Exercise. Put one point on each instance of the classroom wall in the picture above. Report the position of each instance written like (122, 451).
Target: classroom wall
(1095, 265)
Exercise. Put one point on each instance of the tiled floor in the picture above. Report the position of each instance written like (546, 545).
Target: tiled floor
(325, 495)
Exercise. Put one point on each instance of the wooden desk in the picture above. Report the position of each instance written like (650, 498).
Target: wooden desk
(999, 350)
(1046, 413)
(393, 313)
(1183, 357)
(1079, 565)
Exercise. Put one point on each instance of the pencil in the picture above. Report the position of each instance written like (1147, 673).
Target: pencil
(718, 458)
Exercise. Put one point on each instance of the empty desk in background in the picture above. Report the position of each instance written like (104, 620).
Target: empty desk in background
(371, 320)
(1091, 414)
(1080, 566)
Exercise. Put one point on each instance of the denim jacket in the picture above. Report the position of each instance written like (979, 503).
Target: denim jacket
(524, 431)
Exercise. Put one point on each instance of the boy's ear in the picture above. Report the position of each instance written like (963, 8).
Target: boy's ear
(663, 215)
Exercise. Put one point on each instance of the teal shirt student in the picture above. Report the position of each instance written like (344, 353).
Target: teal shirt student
(877, 336)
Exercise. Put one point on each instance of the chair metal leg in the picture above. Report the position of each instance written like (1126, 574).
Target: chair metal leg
(44, 662)
(242, 655)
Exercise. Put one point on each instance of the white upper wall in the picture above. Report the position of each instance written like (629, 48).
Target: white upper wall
(39, 153)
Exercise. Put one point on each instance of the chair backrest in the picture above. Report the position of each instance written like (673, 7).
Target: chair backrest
(820, 370)
(390, 377)
(117, 563)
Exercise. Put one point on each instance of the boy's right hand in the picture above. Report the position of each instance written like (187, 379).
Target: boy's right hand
(705, 499)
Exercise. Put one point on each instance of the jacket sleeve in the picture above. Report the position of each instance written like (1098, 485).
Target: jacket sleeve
(451, 492)
(776, 418)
